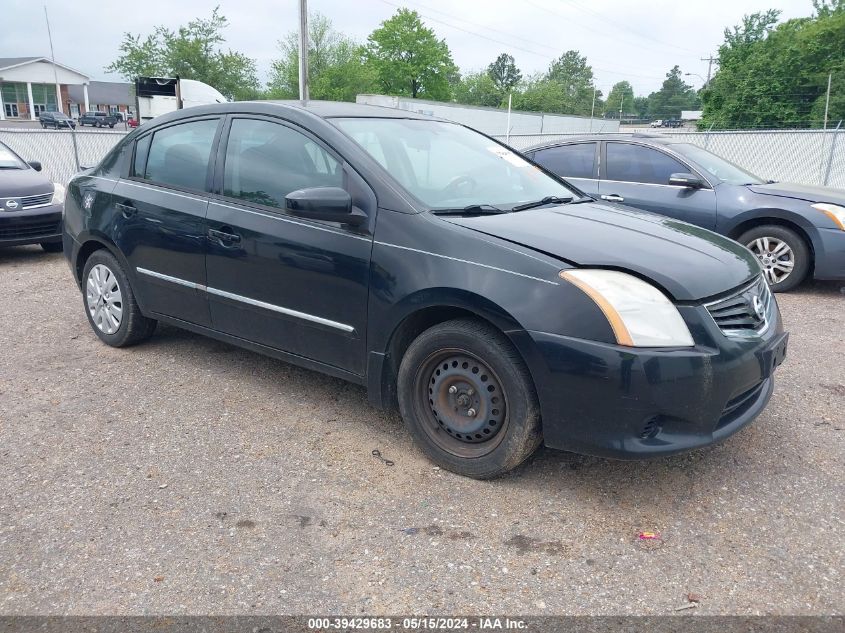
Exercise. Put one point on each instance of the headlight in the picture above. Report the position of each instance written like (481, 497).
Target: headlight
(833, 211)
(58, 194)
(639, 314)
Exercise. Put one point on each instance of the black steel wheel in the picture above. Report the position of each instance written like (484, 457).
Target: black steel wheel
(468, 399)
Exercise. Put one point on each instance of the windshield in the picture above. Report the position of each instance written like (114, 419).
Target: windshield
(716, 165)
(10, 160)
(448, 166)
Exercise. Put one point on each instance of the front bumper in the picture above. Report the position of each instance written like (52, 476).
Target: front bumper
(830, 254)
(630, 403)
(31, 226)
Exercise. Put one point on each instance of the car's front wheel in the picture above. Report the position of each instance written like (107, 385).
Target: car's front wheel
(783, 253)
(110, 303)
(468, 399)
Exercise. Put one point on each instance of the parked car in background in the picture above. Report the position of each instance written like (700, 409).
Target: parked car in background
(672, 123)
(56, 120)
(657, 123)
(795, 230)
(97, 119)
(30, 205)
(132, 122)
(435, 266)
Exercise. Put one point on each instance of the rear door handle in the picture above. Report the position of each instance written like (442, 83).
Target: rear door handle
(226, 237)
(126, 209)
(612, 197)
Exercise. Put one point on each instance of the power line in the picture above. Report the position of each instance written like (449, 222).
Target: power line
(628, 28)
(513, 46)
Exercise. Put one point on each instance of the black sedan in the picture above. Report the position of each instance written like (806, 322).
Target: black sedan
(30, 205)
(795, 230)
(495, 305)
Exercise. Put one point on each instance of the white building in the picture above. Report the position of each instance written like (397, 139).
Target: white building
(30, 85)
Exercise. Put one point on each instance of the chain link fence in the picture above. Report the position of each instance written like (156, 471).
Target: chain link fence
(55, 149)
(810, 157)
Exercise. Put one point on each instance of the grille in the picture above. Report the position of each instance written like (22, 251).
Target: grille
(745, 312)
(22, 231)
(40, 200)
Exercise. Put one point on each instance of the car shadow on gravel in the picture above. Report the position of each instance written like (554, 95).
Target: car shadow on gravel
(24, 254)
(592, 476)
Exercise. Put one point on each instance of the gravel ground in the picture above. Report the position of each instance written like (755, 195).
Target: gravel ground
(189, 476)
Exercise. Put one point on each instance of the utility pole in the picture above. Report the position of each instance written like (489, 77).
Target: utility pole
(59, 88)
(710, 59)
(593, 109)
(621, 101)
(303, 50)
(827, 99)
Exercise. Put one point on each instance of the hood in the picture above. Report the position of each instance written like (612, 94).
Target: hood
(689, 262)
(17, 183)
(810, 193)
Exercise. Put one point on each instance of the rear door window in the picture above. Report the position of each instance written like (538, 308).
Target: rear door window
(627, 162)
(179, 155)
(569, 161)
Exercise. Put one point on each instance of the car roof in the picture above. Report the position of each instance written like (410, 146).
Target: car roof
(337, 109)
(655, 139)
(319, 109)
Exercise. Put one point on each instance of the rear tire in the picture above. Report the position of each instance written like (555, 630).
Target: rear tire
(52, 247)
(468, 400)
(784, 255)
(110, 304)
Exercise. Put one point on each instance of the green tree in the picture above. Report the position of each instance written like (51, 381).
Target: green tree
(674, 95)
(336, 67)
(504, 74)
(621, 97)
(409, 60)
(775, 75)
(191, 52)
(477, 89)
(575, 76)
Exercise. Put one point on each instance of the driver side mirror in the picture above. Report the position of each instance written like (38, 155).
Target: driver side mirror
(36, 165)
(686, 180)
(331, 204)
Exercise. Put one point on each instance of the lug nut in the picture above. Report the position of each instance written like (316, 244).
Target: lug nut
(470, 391)
(453, 389)
(471, 413)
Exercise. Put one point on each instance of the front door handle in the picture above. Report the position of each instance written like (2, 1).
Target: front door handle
(612, 197)
(126, 209)
(226, 237)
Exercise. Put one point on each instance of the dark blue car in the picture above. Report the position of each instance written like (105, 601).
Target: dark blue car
(795, 230)
(497, 307)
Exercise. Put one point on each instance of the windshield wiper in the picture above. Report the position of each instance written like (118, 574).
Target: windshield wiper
(472, 209)
(540, 203)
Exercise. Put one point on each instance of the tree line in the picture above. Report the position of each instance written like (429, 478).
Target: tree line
(768, 73)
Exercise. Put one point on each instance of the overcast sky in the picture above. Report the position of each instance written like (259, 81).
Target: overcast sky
(639, 42)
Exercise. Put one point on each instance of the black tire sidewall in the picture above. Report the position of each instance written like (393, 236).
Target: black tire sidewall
(522, 433)
(127, 331)
(803, 258)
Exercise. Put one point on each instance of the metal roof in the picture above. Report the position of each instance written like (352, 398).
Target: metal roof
(105, 92)
(8, 62)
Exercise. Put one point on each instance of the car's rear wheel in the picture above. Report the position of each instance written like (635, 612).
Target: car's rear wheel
(468, 399)
(52, 247)
(110, 304)
(783, 253)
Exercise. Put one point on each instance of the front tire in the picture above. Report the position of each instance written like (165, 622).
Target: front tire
(784, 255)
(468, 399)
(110, 303)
